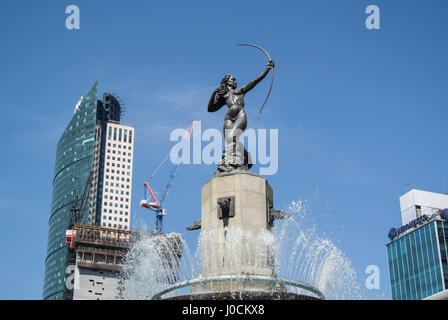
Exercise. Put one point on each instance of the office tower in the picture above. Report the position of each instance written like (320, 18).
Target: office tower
(80, 181)
(418, 250)
(117, 181)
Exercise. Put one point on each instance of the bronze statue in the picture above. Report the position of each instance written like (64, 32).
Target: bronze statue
(235, 157)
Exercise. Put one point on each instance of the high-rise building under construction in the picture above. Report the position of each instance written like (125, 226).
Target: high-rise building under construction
(92, 177)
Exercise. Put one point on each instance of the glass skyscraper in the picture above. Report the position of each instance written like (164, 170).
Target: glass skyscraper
(417, 259)
(80, 152)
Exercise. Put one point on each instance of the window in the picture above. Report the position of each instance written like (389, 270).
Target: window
(418, 211)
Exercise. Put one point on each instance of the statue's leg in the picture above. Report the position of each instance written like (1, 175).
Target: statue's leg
(227, 130)
(234, 153)
(238, 126)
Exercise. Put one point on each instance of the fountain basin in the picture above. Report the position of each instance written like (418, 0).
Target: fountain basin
(270, 294)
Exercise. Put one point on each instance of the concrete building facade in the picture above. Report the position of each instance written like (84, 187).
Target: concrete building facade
(417, 203)
(117, 178)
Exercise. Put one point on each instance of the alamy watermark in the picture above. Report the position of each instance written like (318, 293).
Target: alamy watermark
(373, 20)
(263, 151)
(73, 21)
(70, 277)
(373, 279)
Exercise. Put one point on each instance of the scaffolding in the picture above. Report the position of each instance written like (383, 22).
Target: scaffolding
(100, 248)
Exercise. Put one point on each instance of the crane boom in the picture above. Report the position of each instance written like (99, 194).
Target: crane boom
(151, 202)
(76, 212)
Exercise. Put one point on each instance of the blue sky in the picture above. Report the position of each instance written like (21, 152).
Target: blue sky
(361, 113)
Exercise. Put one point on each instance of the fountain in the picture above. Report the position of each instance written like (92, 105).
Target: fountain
(237, 244)
(302, 255)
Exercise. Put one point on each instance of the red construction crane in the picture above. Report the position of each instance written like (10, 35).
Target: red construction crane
(151, 202)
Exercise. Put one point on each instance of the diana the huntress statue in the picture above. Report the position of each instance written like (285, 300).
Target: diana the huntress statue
(235, 156)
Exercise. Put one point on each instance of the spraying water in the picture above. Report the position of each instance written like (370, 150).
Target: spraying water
(304, 254)
(300, 253)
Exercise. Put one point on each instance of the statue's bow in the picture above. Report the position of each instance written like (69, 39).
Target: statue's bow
(272, 74)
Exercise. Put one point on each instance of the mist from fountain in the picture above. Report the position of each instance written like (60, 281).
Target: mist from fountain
(301, 253)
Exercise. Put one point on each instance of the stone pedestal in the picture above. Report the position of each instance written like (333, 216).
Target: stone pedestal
(235, 231)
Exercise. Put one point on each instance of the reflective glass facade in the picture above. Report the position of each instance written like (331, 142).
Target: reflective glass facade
(418, 265)
(73, 164)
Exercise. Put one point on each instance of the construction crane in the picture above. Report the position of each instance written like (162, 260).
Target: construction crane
(151, 202)
(76, 211)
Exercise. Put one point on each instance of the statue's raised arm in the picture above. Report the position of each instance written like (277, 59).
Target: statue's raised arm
(253, 83)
